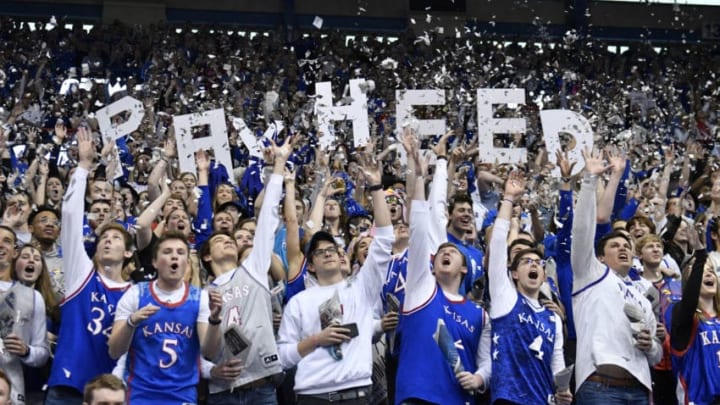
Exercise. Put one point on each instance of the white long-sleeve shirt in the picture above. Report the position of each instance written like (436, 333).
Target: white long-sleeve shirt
(318, 372)
(599, 294)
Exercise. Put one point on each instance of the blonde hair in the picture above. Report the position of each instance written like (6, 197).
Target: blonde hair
(646, 240)
(716, 299)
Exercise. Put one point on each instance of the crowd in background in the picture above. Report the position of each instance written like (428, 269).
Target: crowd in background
(654, 111)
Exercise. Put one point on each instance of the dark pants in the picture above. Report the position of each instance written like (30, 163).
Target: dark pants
(351, 396)
(63, 396)
(664, 385)
(391, 366)
(307, 400)
(256, 396)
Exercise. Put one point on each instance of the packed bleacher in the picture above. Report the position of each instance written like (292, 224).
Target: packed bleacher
(406, 270)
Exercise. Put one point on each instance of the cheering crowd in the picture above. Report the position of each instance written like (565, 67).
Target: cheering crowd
(355, 275)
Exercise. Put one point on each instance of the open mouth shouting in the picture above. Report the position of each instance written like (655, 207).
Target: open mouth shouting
(29, 270)
(709, 281)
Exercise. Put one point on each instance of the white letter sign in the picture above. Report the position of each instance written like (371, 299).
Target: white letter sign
(555, 122)
(217, 141)
(253, 144)
(488, 126)
(357, 112)
(104, 115)
(406, 99)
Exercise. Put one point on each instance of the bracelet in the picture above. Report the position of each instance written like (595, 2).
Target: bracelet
(27, 353)
(375, 187)
(130, 322)
(214, 321)
(438, 157)
(508, 200)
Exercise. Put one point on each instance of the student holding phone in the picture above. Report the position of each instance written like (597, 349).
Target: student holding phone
(248, 366)
(310, 340)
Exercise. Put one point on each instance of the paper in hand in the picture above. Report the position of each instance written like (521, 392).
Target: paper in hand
(393, 303)
(7, 314)
(235, 341)
(562, 378)
(633, 312)
(637, 319)
(447, 347)
(331, 313)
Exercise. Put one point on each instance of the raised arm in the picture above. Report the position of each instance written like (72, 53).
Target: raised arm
(502, 290)
(143, 233)
(43, 170)
(669, 153)
(684, 311)
(258, 261)
(202, 223)
(607, 201)
(582, 253)
(372, 273)
(564, 239)
(76, 263)
(292, 238)
(420, 284)
(438, 194)
(315, 219)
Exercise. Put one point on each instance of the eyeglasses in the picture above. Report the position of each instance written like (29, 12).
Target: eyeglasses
(45, 221)
(530, 260)
(322, 252)
(392, 200)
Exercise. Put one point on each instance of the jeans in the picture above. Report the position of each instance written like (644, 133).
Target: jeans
(318, 401)
(595, 393)
(254, 396)
(63, 396)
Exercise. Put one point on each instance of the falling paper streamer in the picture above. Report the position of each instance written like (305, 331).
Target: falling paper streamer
(447, 347)
(317, 22)
(331, 314)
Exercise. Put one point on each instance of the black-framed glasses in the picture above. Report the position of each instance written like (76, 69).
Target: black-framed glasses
(530, 260)
(322, 252)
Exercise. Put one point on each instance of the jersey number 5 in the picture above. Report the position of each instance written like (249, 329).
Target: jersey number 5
(169, 348)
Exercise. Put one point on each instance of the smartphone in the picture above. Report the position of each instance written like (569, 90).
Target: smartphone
(352, 327)
(235, 341)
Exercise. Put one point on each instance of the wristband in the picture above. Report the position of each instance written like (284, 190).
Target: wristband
(438, 157)
(375, 187)
(130, 322)
(214, 321)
